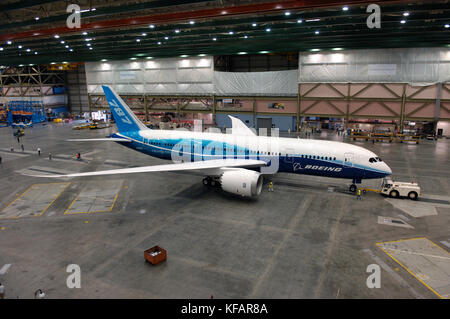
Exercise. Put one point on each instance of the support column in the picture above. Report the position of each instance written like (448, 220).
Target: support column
(298, 108)
(437, 109)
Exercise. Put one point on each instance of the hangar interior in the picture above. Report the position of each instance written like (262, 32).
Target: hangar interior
(312, 69)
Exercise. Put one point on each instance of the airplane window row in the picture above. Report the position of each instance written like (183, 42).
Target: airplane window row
(319, 157)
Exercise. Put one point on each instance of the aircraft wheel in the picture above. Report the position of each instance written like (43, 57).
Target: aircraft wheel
(206, 181)
(353, 188)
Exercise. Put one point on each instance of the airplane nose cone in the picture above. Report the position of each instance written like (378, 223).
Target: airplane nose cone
(387, 169)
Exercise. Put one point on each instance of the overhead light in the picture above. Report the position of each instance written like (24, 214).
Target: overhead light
(1, 49)
(337, 49)
(93, 9)
(447, 26)
(159, 43)
(241, 53)
(405, 14)
(36, 18)
(177, 31)
(345, 8)
(87, 39)
(214, 39)
(138, 40)
(312, 20)
(8, 42)
(245, 36)
(144, 34)
(315, 50)
(224, 12)
(149, 57)
(52, 62)
(133, 58)
(151, 26)
(263, 52)
(35, 52)
(166, 38)
(104, 60)
(299, 21)
(268, 30)
(287, 13)
(28, 50)
(231, 32)
(84, 33)
(403, 21)
(88, 44)
(66, 46)
(62, 42)
(71, 50)
(19, 46)
(317, 32)
(56, 36)
(183, 56)
(202, 54)
(254, 24)
(191, 22)
(90, 48)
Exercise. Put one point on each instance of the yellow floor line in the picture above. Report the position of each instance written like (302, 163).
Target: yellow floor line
(406, 268)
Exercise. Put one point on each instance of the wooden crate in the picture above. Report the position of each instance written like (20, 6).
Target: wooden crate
(155, 255)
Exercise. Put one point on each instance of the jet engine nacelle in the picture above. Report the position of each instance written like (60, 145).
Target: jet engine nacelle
(242, 182)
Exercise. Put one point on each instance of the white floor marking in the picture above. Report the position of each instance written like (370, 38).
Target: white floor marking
(4, 269)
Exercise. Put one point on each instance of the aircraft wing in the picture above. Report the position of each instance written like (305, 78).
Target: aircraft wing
(111, 139)
(213, 167)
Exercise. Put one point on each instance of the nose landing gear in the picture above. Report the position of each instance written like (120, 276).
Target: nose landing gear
(353, 188)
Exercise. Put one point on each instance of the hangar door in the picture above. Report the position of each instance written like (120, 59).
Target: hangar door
(265, 123)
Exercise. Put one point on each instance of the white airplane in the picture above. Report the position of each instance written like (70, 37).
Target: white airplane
(239, 160)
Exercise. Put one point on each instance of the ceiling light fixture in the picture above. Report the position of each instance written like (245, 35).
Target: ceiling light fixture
(268, 30)
(345, 8)
(287, 13)
(299, 21)
(151, 26)
(405, 14)
(254, 24)
(56, 36)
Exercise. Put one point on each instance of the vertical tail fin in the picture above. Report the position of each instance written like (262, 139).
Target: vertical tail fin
(125, 119)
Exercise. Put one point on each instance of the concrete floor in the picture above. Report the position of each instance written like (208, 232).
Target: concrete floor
(308, 239)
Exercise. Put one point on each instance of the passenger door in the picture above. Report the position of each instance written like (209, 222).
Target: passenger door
(348, 159)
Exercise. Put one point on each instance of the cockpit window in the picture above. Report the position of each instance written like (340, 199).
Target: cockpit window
(375, 159)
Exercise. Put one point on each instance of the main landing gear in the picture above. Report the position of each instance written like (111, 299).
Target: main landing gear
(211, 181)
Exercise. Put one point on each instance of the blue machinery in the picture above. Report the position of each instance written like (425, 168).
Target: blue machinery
(25, 112)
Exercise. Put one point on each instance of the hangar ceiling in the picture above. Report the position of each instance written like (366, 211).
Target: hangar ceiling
(35, 31)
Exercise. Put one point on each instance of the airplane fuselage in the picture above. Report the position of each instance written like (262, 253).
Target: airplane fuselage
(289, 155)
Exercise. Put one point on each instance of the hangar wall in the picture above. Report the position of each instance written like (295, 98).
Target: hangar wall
(397, 84)
(417, 66)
